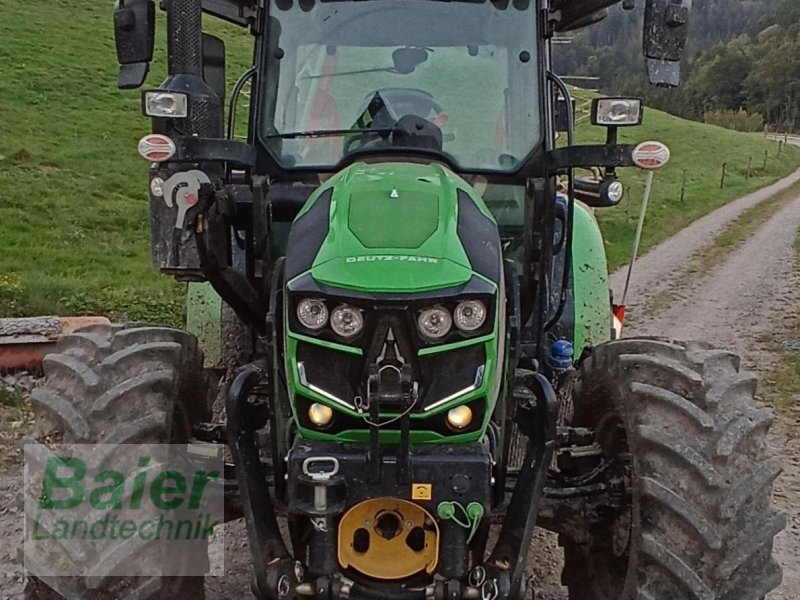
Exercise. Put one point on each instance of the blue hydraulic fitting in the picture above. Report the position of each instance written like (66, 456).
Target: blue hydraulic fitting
(561, 354)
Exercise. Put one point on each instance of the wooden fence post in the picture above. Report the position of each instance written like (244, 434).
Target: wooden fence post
(683, 186)
(722, 181)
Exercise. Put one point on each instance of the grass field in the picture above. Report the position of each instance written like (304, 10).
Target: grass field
(73, 205)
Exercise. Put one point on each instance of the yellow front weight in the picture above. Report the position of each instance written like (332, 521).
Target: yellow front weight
(388, 538)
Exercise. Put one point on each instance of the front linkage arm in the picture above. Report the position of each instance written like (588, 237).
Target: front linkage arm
(536, 414)
(276, 573)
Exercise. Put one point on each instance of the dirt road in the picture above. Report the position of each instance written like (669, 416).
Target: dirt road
(743, 304)
(749, 297)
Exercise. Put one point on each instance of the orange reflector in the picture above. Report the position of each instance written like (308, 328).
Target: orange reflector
(156, 147)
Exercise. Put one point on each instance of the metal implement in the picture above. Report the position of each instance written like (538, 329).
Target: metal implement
(388, 538)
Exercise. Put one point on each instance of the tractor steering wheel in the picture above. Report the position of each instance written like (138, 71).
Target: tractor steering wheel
(384, 109)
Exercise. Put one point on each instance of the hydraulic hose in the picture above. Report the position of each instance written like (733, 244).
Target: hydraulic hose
(570, 205)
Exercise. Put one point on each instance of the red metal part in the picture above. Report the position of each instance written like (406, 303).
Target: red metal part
(25, 350)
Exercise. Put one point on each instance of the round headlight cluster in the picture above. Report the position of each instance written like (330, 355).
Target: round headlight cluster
(435, 322)
(312, 313)
(469, 315)
(346, 321)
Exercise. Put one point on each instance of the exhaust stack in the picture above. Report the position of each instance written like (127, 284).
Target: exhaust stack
(185, 37)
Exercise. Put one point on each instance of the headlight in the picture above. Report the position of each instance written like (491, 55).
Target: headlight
(469, 315)
(434, 323)
(346, 321)
(320, 415)
(312, 313)
(459, 417)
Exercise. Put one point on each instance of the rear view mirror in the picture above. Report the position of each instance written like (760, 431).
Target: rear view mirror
(562, 113)
(134, 32)
(666, 25)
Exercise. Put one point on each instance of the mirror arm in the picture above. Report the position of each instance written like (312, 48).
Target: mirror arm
(576, 11)
(561, 160)
(238, 12)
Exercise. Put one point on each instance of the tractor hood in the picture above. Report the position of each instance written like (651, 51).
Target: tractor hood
(394, 228)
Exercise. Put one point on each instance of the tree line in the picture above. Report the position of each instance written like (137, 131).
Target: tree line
(742, 65)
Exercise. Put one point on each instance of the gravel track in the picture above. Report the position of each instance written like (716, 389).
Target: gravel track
(656, 271)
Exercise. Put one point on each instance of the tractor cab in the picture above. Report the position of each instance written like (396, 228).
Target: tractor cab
(459, 81)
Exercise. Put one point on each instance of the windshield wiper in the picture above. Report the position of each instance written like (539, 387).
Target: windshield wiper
(319, 133)
(356, 72)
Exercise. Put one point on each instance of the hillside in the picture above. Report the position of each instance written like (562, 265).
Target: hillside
(612, 49)
(73, 208)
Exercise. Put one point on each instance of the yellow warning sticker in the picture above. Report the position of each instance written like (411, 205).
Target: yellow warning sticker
(421, 491)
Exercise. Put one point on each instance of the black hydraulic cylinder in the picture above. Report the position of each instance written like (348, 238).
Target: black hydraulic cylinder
(322, 551)
(185, 37)
(453, 555)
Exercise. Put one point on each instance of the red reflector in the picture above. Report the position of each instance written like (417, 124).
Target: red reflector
(651, 155)
(156, 147)
(619, 311)
(617, 320)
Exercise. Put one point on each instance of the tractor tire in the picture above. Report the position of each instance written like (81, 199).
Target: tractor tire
(118, 384)
(698, 521)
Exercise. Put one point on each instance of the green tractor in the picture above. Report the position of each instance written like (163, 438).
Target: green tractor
(418, 332)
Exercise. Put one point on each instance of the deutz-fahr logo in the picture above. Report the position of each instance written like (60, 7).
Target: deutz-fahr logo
(391, 257)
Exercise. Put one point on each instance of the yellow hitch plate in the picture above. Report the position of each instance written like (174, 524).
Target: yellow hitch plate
(388, 538)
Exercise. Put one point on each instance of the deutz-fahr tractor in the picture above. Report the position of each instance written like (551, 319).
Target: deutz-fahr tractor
(422, 362)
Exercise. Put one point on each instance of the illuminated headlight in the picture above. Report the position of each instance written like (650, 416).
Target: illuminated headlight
(166, 104)
(346, 321)
(617, 112)
(434, 323)
(312, 313)
(459, 417)
(469, 315)
(320, 415)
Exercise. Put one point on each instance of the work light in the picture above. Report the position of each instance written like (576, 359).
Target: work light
(617, 112)
(173, 105)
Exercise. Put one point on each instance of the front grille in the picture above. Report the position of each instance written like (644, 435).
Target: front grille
(446, 374)
(343, 377)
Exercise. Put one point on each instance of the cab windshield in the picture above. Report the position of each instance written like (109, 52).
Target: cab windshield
(360, 75)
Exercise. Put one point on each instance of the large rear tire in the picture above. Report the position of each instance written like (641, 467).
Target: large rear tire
(699, 521)
(118, 385)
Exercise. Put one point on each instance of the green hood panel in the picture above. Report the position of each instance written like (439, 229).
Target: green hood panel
(368, 221)
(393, 228)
